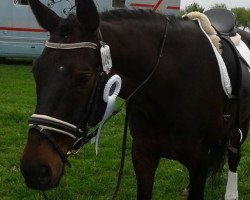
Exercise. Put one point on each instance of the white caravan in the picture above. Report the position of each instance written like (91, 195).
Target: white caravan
(21, 36)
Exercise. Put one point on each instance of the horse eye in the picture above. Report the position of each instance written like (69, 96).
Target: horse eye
(83, 77)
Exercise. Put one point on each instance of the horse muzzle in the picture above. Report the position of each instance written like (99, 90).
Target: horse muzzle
(40, 164)
(37, 176)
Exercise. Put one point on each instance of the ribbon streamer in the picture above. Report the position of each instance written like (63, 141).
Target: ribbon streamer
(109, 97)
(106, 58)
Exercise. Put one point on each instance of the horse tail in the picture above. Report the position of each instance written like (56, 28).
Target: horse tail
(217, 157)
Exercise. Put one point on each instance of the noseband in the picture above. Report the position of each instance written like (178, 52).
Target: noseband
(44, 124)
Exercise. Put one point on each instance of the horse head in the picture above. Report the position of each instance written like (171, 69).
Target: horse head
(68, 79)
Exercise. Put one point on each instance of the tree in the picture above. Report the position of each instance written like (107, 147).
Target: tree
(182, 12)
(248, 17)
(242, 17)
(219, 5)
(192, 7)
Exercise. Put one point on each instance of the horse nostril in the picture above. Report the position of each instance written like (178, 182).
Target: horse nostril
(44, 175)
(37, 176)
(44, 171)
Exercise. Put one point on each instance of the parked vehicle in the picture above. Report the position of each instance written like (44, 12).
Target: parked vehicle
(21, 36)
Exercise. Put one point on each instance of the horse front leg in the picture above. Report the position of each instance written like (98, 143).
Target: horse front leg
(145, 164)
(198, 174)
(236, 140)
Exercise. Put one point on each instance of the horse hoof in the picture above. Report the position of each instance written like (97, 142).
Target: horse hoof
(231, 197)
(185, 193)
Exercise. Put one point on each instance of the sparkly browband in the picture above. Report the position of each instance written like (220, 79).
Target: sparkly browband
(78, 45)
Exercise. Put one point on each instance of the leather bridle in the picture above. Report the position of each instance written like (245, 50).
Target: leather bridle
(78, 133)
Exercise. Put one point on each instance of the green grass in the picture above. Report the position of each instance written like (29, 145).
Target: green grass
(91, 177)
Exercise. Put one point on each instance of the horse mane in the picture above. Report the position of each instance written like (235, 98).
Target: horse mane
(118, 14)
(135, 14)
(66, 26)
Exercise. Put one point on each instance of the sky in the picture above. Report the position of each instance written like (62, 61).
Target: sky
(208, 3)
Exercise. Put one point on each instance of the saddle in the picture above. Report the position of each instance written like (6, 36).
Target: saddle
(222, 20)
(238, 69)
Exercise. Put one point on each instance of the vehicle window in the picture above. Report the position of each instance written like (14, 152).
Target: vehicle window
(21, 2)
(118, 3)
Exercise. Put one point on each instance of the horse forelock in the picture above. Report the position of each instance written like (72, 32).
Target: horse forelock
(67, 25)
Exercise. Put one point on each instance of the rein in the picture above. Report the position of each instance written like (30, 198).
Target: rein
(123, 153)
(43, 122)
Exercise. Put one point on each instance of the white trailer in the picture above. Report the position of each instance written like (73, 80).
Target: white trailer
(21, 36)
(171, 7)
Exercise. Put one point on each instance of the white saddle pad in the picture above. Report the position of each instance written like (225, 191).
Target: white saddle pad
(244, 52)
(225, 80)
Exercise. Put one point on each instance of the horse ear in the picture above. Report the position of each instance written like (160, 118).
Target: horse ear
(47, 18)
(87, 15)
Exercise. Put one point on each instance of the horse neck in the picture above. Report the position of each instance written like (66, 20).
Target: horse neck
(135, 45)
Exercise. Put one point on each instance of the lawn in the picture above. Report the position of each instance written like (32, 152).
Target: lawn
(91, 177)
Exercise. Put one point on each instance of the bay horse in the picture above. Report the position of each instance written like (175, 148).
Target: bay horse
(179, 113)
